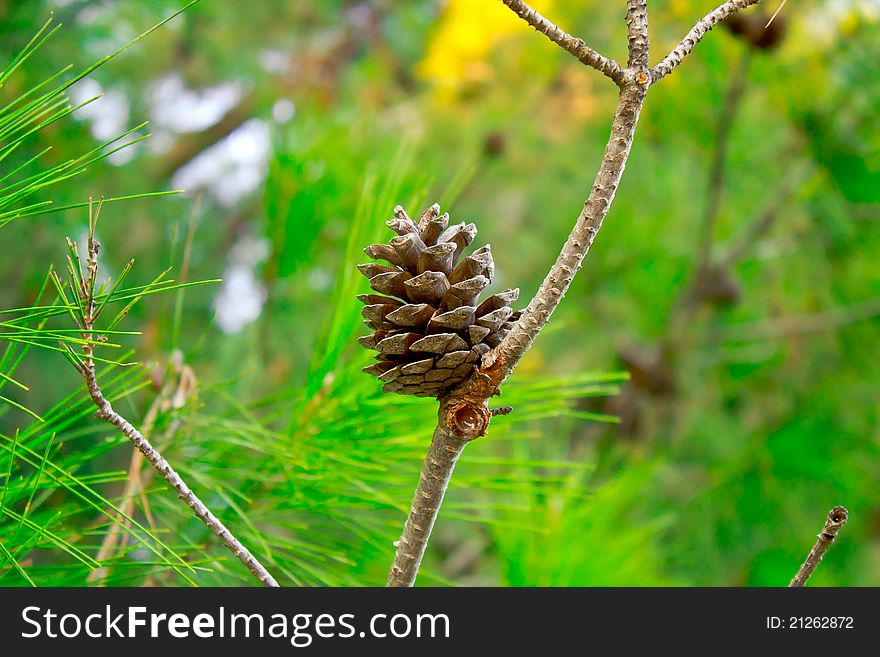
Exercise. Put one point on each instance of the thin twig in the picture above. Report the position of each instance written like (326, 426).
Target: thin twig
(500, 362)
(775, 13)
(837, 518)
(133, 485)
(567, 42)
(705, 269)
(105, 412)
(697, 32)
(753, 232)
(173, 395)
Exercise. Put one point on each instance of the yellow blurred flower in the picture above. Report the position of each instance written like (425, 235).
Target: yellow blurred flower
(465, 35)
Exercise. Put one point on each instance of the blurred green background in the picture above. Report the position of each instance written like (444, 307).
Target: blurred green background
(735, 281)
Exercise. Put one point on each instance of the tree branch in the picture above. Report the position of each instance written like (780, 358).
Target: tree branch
(86, 291)
(464, 413)
(500, 362)
(837, 518)
(696, 33)
(637, 34)
(567, 42)
(445, 449)
(190, 145)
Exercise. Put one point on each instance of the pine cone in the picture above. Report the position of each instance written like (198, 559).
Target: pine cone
(755, 29)
(428, 325)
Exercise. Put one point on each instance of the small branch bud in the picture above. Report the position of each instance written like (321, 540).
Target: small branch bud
(502, 410)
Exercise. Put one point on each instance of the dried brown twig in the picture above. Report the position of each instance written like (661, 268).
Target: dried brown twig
(84, 283)
(464, 414)
(837, 518)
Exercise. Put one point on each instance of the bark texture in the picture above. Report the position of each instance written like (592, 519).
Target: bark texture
(445, 449)
(637, 33)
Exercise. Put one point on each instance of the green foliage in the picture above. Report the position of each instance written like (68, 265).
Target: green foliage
(615, 546)
(35, 110)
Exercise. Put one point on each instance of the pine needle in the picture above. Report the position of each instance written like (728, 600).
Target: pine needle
(775, 13)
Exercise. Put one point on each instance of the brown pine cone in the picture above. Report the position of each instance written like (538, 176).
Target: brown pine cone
(427, 322)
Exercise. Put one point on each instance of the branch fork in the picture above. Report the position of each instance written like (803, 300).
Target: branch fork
(464, 414)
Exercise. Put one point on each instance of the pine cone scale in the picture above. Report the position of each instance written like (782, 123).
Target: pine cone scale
(418, 367)
(456, 358)
(439, 343)
(411, 315)
(390, 283)
(454, 320)
(428, 287)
